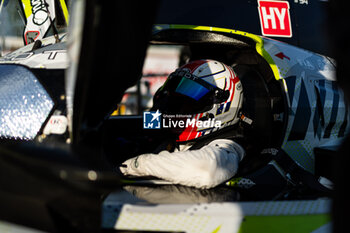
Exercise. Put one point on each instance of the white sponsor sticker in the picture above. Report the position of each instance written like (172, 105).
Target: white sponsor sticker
(56, 125)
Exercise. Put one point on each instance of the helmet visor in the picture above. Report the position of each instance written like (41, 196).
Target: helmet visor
(191, 89)
(185, 93)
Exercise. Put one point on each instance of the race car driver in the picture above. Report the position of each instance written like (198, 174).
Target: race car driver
(207, 91)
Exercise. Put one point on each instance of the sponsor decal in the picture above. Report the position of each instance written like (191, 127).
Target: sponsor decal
(281, 56)
(303, 2)
(39, 9)
(275, 18)
(56, 125)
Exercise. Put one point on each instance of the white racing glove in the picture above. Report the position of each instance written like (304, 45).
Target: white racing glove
(206, 167)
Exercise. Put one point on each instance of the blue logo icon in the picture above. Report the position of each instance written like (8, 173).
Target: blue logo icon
(151, 120)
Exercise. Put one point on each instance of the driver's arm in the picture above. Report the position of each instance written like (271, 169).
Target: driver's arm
(206, 167)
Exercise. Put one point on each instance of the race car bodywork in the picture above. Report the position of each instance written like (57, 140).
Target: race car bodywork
(165, 215)
(294, 104)
(308, 114)
(315, 114)
(46, 54)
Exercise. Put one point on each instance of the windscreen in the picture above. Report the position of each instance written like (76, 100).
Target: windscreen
(24, 103)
